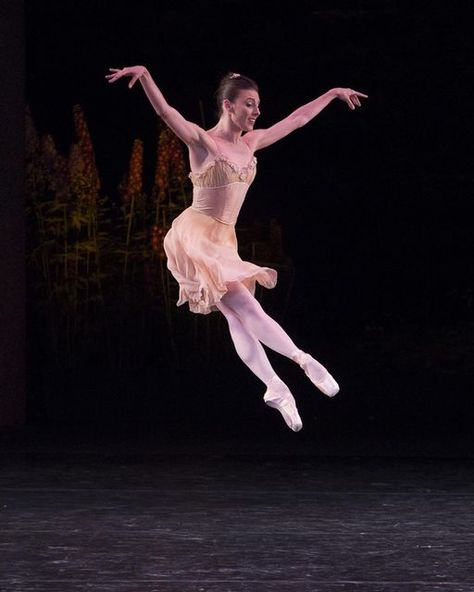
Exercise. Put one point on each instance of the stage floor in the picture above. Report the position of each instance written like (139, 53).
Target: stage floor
(77, 520)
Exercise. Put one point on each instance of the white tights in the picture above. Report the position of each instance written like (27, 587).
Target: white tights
(250, 326)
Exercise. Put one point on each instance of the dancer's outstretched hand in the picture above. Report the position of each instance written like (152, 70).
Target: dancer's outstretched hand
(135, 72)
(351, 97)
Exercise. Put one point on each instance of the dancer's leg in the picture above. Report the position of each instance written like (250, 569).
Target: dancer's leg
(252, 316)
(251, 352)
(247, 346)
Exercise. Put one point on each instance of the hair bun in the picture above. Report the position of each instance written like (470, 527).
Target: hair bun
(234, 75)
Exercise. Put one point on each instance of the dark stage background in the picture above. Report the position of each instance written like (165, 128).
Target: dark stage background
(374, 208)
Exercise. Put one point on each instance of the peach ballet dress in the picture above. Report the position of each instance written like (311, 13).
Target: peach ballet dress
(201, 245)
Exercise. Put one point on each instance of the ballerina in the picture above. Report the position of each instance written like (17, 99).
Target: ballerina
(201, 245)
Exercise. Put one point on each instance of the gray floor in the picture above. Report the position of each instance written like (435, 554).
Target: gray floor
(201, 523)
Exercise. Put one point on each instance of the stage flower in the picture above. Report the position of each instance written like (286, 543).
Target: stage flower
(56, 168)
(170, 171)
(157, 237)
(85, 143)
(134, 180)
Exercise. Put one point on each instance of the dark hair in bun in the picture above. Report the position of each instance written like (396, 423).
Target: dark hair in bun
(230, 86)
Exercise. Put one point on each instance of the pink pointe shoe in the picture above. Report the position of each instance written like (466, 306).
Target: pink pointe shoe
(279, 397)
(317, 373)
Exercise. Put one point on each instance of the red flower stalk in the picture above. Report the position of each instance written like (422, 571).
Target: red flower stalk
(85, 144)
(135, 174)
(161, 181)
(157, 237)
(78, 178)
(56, 168)
(170, 172)
(178, 166)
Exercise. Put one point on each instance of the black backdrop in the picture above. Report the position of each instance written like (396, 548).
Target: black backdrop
(375, 204)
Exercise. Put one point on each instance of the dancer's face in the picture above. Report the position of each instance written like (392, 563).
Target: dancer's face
(245, 109)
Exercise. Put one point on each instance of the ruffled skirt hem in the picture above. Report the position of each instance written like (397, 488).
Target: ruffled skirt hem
(202, 256)
(203, 299)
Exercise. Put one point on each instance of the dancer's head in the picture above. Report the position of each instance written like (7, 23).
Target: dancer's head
(237, 97)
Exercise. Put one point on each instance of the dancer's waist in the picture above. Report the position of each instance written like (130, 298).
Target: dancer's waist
(221, 203)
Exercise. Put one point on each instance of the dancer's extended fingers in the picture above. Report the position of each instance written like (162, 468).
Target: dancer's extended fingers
(115, 76)
(114, 70)
(133, 80)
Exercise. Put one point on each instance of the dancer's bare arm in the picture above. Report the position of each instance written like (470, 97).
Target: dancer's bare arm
(261, 138)
(190, 133)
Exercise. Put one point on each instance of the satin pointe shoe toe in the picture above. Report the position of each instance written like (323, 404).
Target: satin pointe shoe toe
(328, 386)
(317, 373)
(279, 397)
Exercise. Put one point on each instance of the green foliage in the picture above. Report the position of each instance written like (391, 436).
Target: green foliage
(98, 281)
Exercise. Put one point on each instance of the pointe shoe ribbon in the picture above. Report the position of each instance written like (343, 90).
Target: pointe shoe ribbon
(317, 373)
(279, 397)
